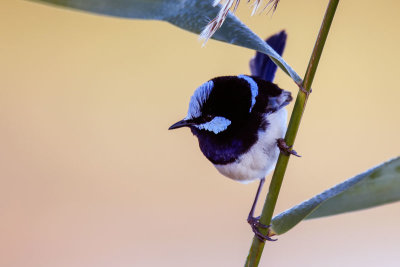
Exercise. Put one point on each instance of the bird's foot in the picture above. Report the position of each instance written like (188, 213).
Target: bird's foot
(285, 148)
(255, 224)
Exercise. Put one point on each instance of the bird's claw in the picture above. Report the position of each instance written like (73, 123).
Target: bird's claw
(285, 148)
(255, 224)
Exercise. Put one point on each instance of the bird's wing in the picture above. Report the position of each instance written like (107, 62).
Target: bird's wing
(261, 65)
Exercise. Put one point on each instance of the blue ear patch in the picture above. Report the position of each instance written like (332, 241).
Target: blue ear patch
(198, 98)
(253, 88)
(216, 125)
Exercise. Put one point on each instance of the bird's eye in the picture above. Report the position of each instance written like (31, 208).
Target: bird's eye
(209, 117)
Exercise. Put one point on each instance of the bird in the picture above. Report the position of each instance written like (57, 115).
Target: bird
(240, 122)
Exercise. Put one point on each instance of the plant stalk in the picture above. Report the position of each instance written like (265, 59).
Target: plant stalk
(257, 246)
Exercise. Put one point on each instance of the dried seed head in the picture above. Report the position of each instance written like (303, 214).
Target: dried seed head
(227, 5)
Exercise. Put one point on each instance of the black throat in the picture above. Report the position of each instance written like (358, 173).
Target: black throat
(226, 147)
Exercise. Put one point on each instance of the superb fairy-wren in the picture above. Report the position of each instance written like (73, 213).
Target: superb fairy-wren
(240, 122)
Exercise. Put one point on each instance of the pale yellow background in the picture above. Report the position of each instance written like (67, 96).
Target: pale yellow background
(90, 176)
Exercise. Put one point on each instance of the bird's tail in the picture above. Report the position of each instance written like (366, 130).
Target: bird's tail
(261, 65)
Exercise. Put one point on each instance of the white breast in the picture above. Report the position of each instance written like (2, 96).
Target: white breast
(262, 156)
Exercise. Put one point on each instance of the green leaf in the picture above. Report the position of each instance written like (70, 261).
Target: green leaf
(377, 186)
(191, 15)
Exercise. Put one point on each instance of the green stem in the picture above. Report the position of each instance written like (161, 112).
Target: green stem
(257, 246)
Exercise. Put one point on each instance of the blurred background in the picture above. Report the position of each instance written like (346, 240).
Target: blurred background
(90, 175)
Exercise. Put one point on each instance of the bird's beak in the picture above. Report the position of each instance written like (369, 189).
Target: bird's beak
(180, 124)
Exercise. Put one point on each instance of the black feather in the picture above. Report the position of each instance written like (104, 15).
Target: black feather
(230, 98)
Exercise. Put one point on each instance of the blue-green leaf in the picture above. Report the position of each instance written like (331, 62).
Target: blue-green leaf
(377, 186)
(191, 15)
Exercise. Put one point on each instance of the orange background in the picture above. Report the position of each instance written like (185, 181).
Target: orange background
(90, 175)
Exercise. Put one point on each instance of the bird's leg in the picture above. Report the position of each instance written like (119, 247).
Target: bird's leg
(255, 221)
(285, 148)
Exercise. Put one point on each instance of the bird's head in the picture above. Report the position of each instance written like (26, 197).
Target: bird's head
(224, 104)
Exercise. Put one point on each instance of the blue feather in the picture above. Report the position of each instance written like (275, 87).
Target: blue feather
(253, 87)
(261, 65)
